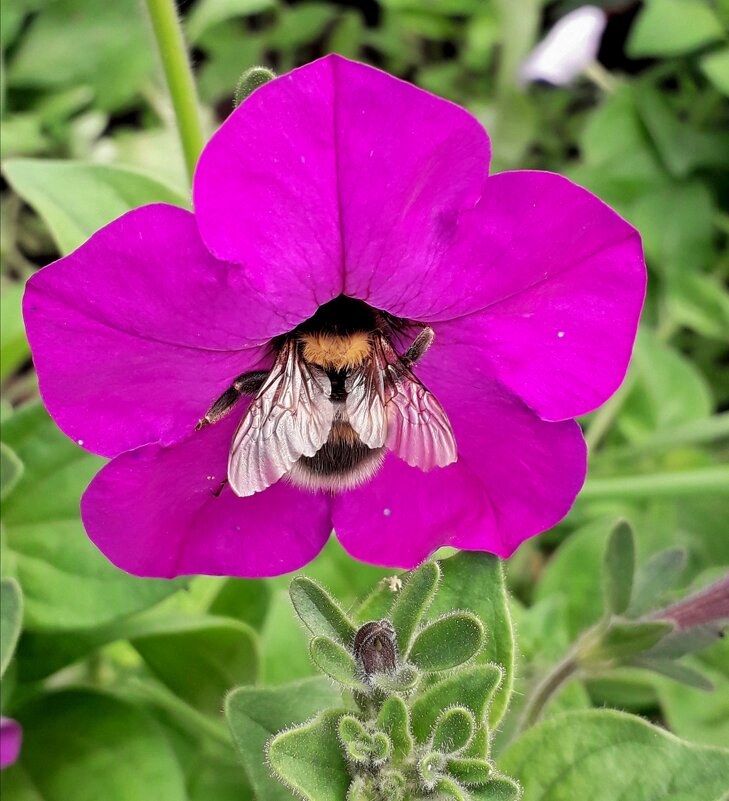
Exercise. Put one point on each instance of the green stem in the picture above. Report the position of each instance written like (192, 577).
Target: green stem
(178, 72)
(681, 482)
(696, 433)
(546, 689)
(604, 417)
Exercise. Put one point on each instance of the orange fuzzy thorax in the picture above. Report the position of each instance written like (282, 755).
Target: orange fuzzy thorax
(336, 352)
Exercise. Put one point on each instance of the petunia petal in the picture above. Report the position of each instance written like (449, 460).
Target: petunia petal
(516, 476)
(340, 178)
(561, 287)
(155, 512)
(137, 332)
(403, 514)
(11, 738)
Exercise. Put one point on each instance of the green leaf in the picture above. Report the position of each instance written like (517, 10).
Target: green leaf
(335, 661)
(673, 27)
(453, 730)
(716, 68)
(655, 578)
(625, 639)
(668, 390)
(450, 789)
(110, 46)
(394, 720)
(473, 688)
(702, 717)
(567, 757)
(619, 568)
(308, 759)
(319, 612)
(209, 13)
(284, 643)
(200, 659)
(11, 620)
(76, 199)
(401, 681)
(677, 671)
(412, 602)
(470, 771)
(447, 642)
(14, 348)
(252, 79)
(475, 582)
(255, 714)
(498, 788)
(430, 766)
(67, 583)
(247, 600)
(572, 574)
(11, 469)
(87, 745)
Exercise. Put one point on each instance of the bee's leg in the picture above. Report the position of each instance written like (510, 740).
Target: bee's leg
(419, 347)
(246, 384)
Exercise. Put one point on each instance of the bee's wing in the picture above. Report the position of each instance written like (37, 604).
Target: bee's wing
(289, 418)
(365, 403)
(418, 429)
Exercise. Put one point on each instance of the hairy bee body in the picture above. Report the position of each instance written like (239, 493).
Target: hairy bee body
(336, 400)
(344, 461)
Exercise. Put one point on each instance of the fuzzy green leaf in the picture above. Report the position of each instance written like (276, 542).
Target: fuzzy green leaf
(453, 730)
(251, 80)
(450, 789)
(11, 619)
(472, 688)
(335, 661)
(677, 671)
(470, 771)
(447, 642)
(475, 582)
(402, 681)
(655, 578)
(625, 639)
(412, 602)
(319, 612)
(498, 788)
(430, 767)
(256, 713)
(351, 729)
(619, 568)
(569, 756)
(393, 719)
(309, 760)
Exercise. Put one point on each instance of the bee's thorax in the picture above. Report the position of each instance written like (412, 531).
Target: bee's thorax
(336, 351)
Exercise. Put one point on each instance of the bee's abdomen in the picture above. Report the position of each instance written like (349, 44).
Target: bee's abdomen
(343, 462)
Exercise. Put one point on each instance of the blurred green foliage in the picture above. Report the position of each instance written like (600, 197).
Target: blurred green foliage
(88, 132)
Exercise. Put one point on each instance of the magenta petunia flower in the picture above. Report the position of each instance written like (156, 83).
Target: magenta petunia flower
(11, 738)
(259, 370)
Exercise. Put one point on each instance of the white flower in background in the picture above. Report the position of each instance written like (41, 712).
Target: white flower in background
(569, 48)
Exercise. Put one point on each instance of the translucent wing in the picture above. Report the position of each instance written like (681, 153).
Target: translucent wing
(289, 418)
(365, 403)
(418, 429)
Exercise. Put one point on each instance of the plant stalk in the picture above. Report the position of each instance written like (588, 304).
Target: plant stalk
(180, 81)
(559, 675)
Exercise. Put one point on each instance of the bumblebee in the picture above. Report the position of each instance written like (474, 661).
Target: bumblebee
(337, 398)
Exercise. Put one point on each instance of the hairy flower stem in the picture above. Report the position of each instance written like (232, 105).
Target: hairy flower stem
(554, 680)
(176, 65)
